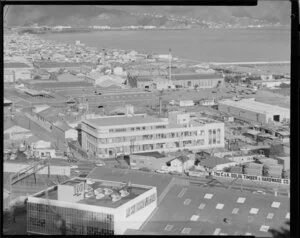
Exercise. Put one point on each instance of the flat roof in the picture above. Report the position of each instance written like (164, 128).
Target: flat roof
(202, 210)
(133, 189)
(255, 106)
(124, 120)
(15, 65)
(154, 154)
(160, 181)
(195, 76)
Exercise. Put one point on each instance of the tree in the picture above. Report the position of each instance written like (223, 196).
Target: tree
(282, 233)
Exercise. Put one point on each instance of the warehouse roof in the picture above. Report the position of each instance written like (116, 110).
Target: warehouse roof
(196, 210)
(124, 120)
(211, 161)
(115, 187)
(195, 76)
(255, 106)
(160, 181)
(16, 65)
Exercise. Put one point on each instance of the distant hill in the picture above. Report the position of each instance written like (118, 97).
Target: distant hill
(25, 15)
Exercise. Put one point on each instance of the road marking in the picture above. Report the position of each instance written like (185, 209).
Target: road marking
(195, 218)
(187, 201)
(253, 210)
(186, 230)
(241, 200)
(208, 196)
(217, 231)
(270, 215)
(264, 228)
(235, 210)
(220, 206)
(275, 204)
(182, 192)
(169, 227)
(287, 216)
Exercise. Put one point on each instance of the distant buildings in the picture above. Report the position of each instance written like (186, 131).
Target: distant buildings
(90, 207)
(14, 71)
(111, 136)
(197, 80)
(254, 111)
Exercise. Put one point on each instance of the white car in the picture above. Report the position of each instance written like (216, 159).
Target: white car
(100, 164)
(74, 166)
(162, 171)
(259, 192)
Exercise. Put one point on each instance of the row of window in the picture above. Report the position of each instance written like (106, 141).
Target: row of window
(148, 147)
(214, 136)
(151, 137)
(142, 128)
(41, 219)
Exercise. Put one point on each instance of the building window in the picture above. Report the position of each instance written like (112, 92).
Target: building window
(209, 136)
(214, 136)
(218, 136)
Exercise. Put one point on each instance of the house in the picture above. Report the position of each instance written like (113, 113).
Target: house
(215, 163)
(150, 160)
(180, 164)
(42, 149)
(63, 129)
(15, 132)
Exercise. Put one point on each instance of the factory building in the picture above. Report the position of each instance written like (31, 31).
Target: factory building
(90, 207)
(254, 111)
(130, 134)
(197, 80)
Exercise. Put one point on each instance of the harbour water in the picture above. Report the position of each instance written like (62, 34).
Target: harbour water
(207, 45)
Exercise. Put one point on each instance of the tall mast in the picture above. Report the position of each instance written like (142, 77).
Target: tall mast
(170, 63)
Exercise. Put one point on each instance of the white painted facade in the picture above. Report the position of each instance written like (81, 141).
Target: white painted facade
(163, 136)
(125, 216)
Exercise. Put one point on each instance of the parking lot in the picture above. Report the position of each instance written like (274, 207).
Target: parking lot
(201, 211)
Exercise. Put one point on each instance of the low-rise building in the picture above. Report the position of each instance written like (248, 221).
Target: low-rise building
(179, 164)
(15, 132)
(90, 207)
(150, 160)
(130, 134)
(14, 71)
(254, 111)
(197, 80)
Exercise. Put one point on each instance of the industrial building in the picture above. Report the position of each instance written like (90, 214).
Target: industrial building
(90, 207)
(16, 71)
(197, 80)
(254, 111)
(124, 135)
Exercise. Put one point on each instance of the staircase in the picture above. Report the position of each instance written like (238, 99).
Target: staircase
(31, 169)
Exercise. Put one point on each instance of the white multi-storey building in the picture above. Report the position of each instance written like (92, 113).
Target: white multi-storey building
(111, 136)
(90, 207)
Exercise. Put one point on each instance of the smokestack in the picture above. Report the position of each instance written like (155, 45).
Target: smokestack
(170, 63)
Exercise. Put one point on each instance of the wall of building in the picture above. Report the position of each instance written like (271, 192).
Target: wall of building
(152, 163)
(201, 83)
(54, 169)
(243, 114)
(165, 139)
(128, 216)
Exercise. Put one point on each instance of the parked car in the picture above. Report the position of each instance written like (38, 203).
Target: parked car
(162, 171)
(100, 164)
